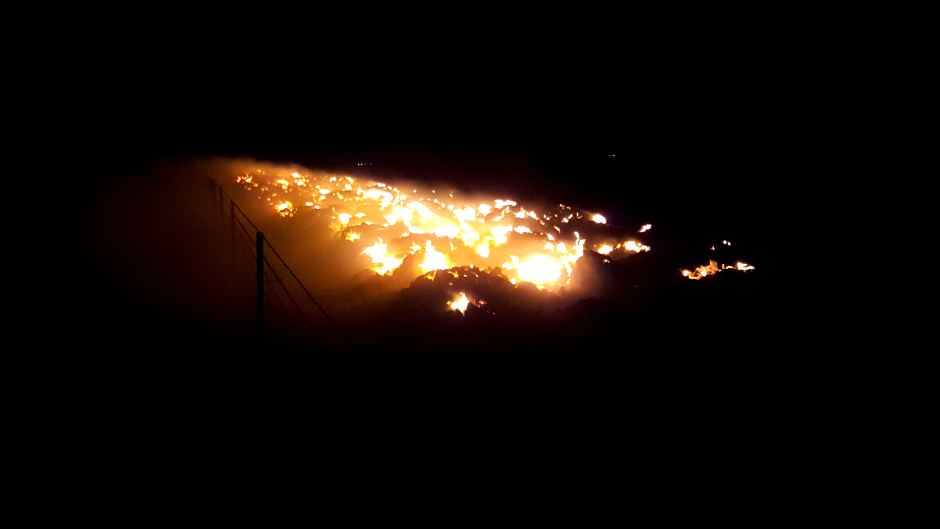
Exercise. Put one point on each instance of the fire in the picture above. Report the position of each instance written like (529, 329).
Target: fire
(382, 262)
(441, 228)
(539, 269)
(635, 247)
(285, 209)
(433, 259)
(713, 268)
(459, 303)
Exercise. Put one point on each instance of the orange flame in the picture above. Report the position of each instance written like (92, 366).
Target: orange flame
(525, 244)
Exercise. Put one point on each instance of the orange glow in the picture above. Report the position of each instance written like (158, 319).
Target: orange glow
(459, 303)
(433, 259)
(713, 268)
(285, 209)
(382, 262)
(442, 228)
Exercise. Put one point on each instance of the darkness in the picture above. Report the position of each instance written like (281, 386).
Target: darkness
(709, 137)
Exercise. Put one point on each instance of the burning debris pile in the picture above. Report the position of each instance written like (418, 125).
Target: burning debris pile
(412, 234)
(443, 229)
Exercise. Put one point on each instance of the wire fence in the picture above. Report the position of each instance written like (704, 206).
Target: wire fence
(283, 319)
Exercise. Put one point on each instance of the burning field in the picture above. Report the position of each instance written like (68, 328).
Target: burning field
(418, 252)
(435, 230)
(396, 265)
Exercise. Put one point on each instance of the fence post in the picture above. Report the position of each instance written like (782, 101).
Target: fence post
(259, 243)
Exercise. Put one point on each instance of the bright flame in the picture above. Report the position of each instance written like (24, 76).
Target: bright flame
(539, 269)
(459, 304)
(382, 262)
(285, 209)
(635, 247)
(535, 245)
(433, 259)
(713, 268)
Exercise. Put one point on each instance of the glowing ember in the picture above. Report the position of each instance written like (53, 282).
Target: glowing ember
(459, 304)
(635, 247)
(713, 268)
(285, 209)
(598, 218)
(646, 228)
(605, 249)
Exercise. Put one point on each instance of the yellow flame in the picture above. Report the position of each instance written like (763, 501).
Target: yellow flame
(285, 209)
(538, 269)
(459, 303)
(713, 268)
(635, 247)
(531, 244)
(382, 262)
(433, 259)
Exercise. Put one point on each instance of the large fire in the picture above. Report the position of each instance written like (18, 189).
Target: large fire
(445, 230)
